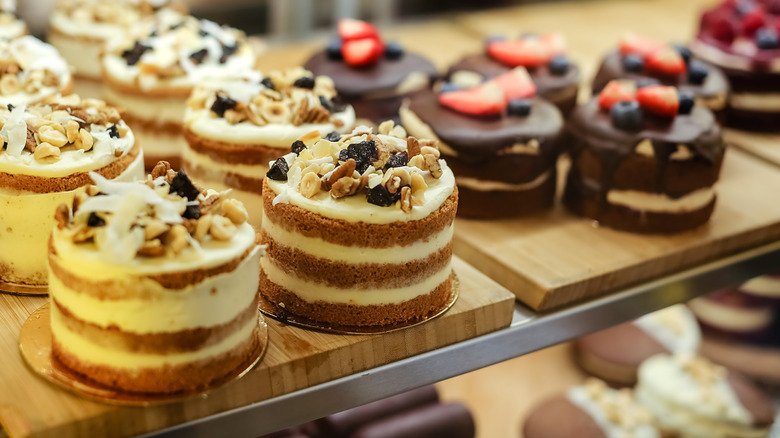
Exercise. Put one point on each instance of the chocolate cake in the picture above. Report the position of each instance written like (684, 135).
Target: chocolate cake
(500, 140)
(643, 160)
(544, 56)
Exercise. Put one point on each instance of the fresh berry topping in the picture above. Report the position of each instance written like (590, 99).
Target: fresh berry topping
(333, 136)
(297, 147)
(774, 7)
(684, 51)
(113, 131)
(632, 63)
(519, 107)
(447, 87)
(222, 103)
(723, 30)
(554, 42)
(626, 115)
(333, 50)
(616, 91)
(182, 186)
(199, 56)
(397, 160)
(278, 170)
(642, 46)
(363, 51)
(686, 103)
(394, 51)
(132, 56)
(267, 83)
(380, 196)
(766, 39)
(666, 61)
(350, 29)
(364, 153)
(659, 99)
(483, 100)
(697, 72)
(95, 221)
(304, 82)
(516, 84)
(753, 20)
(559, 65)
(527, 52)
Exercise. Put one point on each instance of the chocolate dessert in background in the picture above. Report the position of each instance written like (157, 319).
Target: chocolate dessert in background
(371, 75)
(544, 56)
(500, 140)
(643, 159)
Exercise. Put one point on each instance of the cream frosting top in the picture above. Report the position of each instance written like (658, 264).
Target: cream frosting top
(105, 19)
(616, 412)
(674, 327)
(30, 70)
(177, 51)
(272, 111)
(392, 179)
(10, 26)
(69, 135)
(158, 225)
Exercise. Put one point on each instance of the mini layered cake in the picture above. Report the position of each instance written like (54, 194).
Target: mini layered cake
(80, 29)
(615, 354)
(643, 160)
(592, 410)
(235, 128)
(152, 73)
(50, 150)
(359, 230)
(742, 39)
(10, 25)
(653, 62)
(555, 76)
(692, 397)
(501, 141)
(32, 71)
(370, 75)
(153, 285)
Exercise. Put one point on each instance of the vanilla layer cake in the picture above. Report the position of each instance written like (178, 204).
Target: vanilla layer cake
(32, 71)
(234, 128)
(154, 68)
(154, 285)
(10, 25)
(48, 152)
(359, 230)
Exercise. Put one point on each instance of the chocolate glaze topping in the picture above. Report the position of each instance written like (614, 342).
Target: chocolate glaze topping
(383, 76)
(558, 417)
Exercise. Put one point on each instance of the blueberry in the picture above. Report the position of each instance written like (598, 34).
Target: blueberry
(646, 82)
(394, 51)
(447, 87)
(684, 52)
(297, 147)
(227, 51)
(304, 82)
(333, 136)
(278, 170)
(697, 72)
(334, 49)
(626, 115)
(380, 196)
(113, 132)
(559, 65)
(686, 103)
(132, 56)
(519, 107)
(633, 63)
(267, 83)
(397, 160)
(767, 39)
(222, 103)
(182, 186)
(95, 221)
(199, 56)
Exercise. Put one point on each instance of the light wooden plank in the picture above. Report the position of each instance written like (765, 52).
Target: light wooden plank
(766, 146)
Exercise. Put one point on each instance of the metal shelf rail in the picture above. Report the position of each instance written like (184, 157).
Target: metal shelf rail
(527, 333)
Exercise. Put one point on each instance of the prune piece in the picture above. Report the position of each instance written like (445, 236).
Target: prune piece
(222, 104)
(297, 147)
(199, 56)
(381, 197)
(182, 186)
(268, 83)
(227, 51)
(192, 212)
(364, 153)
(333, 136)
(278, 170)
(397, 160)
(95, 221)
(113, 132)
(304, 82)
(132, 56)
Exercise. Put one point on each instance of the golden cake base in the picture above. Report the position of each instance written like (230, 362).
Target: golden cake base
(273, 311)
(35, 347)
(23, 289)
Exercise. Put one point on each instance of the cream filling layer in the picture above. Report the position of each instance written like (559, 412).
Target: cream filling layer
(764, 102)
(26, 220)
(82, 55)
(674, 327)
(13, 30)
(153, 109)
(487, 186)
(91, 29)
(313, 292)
(765, 286)
(580, 397)
(738, 319)
(85, 261)
(272, 135)
(214, 301)
(92, 353)
(350, 254)
(661, 203)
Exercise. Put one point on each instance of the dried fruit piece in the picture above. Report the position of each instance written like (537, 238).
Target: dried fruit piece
(222, 103)
(278, 170)
(183, 186)
(381, 197)
(397, 160)
(297, 147)
(364, 153)
(133, 55)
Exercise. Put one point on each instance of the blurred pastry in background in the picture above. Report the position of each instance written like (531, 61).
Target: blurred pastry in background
(10, 25)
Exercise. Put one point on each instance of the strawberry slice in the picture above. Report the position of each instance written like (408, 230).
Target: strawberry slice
(528, 52)
(659, 99)
(516, 84)
(363, 51)
(351, 29)
(753, 20)
(486, 99)
(617, 91)
(634, 44)
(555, 43)
(667, 61)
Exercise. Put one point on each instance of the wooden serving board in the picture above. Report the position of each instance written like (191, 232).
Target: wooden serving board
(296, 359)
(553, 259)
(766, 146)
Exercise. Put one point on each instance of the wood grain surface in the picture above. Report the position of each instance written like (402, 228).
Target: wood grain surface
(766, 146)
